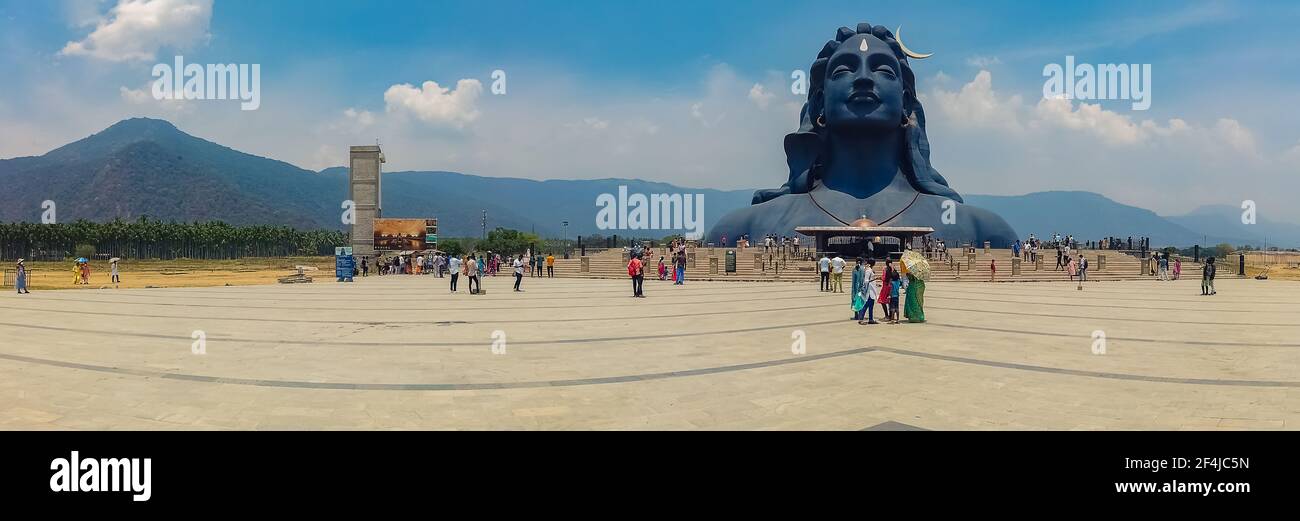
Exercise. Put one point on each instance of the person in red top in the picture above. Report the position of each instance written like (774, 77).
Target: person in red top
(636, 269)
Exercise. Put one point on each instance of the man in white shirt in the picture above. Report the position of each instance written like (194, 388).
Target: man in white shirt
(519, 271)
(837, 274)
(824, 266)
(453, 265)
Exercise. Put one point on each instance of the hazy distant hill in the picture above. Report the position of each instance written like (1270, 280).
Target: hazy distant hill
(1088, 216)
(1225, 221)
(149, 167)
(457, 200)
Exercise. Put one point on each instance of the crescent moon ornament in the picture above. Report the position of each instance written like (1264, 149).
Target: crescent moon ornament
(898, 36)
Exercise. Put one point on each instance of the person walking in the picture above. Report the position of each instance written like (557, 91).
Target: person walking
(871, 291)
(454, 266)
(550, 265)
(1178, 268)
(856, 301)
(895, 292)
(663, 268)
(680, 262)
(365, 267)
(824, 267)
(886, 286)
(20, 280)
(837, 274)
(472, 271)
(1207, 277)
(1083, 269)
(113, 275)
(519, 272)
(635, 271)
(993, 269)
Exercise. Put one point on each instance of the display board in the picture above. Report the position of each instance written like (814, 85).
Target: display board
(406, 234)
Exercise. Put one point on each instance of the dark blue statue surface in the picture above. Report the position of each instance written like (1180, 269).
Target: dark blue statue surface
(861, 150)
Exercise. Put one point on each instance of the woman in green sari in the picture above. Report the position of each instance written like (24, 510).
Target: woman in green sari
(914, 307)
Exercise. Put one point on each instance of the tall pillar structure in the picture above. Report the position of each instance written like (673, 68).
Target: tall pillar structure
(365, 167)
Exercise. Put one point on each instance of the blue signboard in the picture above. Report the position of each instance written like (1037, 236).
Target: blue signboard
(345, 265)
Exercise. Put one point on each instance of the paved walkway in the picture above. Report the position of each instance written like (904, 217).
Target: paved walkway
(403, 353)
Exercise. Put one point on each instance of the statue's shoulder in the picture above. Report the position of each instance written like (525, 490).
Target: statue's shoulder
(759, 219)
(976, 223)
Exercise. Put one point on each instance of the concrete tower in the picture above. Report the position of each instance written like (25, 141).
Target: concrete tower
(364, 170)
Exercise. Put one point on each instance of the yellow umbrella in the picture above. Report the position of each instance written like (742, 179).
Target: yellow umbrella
(916, 264)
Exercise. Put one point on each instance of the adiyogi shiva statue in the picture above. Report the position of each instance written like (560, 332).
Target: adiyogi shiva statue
(861, 150)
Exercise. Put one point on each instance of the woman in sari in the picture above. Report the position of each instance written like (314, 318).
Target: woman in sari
(857, 291)
(21, 280)
(914, 309)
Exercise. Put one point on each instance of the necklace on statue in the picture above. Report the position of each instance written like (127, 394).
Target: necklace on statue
(877, 223)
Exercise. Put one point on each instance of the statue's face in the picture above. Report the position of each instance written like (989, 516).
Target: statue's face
(863, 89)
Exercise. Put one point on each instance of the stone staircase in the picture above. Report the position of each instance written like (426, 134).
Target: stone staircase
(754, 265)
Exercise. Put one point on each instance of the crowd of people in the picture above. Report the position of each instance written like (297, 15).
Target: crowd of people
(473, 267)
(772, 242)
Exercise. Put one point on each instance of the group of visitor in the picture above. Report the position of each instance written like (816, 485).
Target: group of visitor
(866, 288)
(1160, 266)
(892, 286)
(771, 243)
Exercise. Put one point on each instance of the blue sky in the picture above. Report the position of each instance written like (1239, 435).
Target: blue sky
(695, 93)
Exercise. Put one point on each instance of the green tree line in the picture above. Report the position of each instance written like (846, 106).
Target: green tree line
(154, 239)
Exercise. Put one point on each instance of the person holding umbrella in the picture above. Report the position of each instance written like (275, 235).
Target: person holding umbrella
(918, 269)
(21, 281)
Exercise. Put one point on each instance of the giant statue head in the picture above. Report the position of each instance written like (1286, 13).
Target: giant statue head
(861, 83)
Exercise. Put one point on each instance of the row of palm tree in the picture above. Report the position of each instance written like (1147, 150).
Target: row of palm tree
(153, 239)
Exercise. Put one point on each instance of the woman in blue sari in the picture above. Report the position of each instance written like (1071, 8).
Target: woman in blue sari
(21, 281)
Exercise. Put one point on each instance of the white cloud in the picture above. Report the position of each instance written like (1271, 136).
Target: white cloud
(436, 105)
(977, 105)
(988, 142)
(143, 99)
(760, 96)
(359, 118)
(135, 30)
(136, 96)
(983, 62)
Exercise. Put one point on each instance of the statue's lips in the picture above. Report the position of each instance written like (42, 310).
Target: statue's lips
(864, 96)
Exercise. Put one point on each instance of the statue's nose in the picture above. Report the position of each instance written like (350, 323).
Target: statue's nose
(862, 77)
(863, 80)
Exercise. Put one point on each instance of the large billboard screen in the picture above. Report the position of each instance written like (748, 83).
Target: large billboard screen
(406, 234)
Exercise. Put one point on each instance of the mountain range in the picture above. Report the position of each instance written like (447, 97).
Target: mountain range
(149, 167)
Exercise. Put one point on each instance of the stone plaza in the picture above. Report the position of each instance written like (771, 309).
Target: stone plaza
(576, 353)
